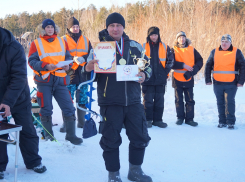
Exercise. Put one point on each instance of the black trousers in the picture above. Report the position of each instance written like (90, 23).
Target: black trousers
(136, 129)
(225, 95)
(153, 101)
(185, 112)
(28, 140)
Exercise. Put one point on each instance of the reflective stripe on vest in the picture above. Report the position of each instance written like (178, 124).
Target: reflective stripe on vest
(77, 49)
(224, 65)
(51, 53)
(162, 52)
(186, 56)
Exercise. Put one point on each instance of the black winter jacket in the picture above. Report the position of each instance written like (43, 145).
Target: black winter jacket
(239, 66)
(14, 89)
(124, 93)
(159, 73)
(188, 74)
(78, 77)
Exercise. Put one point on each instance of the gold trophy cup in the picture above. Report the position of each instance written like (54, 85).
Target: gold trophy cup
(141, 62)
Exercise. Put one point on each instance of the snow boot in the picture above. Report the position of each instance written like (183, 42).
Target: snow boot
(179, 121)
(39, 169)
(231, 126)
(149, 124)
(80, 117)
(47, 124)
(63, 127)
(191, 123)
(135, 173)
(1, 175)
(71, 130)
(160, 124)
(221, 125)
(114, 177)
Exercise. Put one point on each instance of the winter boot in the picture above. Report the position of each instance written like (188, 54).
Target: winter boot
(71, 130)
(39, 169)
(191, 123)
(114, 177)
(63, 127)
(221, 125)
(160, 124)
(80, 117)
(179, 121)
(135, 173)
(47, 124)
(149, 124)
(1, 175)
(231, 126)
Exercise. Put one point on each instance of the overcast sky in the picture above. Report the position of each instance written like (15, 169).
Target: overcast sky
(34, 6)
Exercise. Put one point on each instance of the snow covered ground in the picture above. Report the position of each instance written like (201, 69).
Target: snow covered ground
(176, 154)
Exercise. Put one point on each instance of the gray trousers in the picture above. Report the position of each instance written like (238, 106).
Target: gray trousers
(225, 95)
(54, 86)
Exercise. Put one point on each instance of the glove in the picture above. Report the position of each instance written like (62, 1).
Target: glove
(187, 75)
(70, 72)
(78, 60)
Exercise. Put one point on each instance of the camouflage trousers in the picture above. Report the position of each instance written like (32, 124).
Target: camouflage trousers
(83, 96)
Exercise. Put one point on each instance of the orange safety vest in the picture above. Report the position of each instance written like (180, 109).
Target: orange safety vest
(224, 65)
(184, 55)
(52, 53)
(77, 49)
(162, 52)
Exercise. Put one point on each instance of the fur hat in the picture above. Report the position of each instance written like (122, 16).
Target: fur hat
(72, 21)
(153, 30)
(115, 18)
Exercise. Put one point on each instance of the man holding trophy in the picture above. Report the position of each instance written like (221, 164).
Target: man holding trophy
(120, 103)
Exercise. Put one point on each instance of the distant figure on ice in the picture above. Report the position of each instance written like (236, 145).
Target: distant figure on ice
(45, 53)
(79, 47)
(120, 102)
(228, 67)
(153, 90)
(187, 64)
(15, 100)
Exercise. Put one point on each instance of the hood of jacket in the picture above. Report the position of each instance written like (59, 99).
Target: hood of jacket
(6, 38)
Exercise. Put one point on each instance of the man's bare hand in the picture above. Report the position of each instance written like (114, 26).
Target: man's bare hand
(188, 67)
(50, 67)
(90, 65)
(66, 67)
(209, 83)
(141, 76)
(7, 110)
(239, 85)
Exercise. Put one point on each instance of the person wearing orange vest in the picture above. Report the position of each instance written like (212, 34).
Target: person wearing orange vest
(228, 67)
(187, 64)
(153, 90)
(79, 47)
(45, 53)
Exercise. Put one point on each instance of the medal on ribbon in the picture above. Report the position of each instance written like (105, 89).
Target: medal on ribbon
(120, 50)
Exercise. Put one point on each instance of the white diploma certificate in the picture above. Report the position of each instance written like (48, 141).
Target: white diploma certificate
(105, 52)
(127, 72)
(63, 63)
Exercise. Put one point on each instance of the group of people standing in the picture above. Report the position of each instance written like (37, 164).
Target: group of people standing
(120, 102)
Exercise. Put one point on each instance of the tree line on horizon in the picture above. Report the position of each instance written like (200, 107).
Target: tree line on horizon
(203, 21)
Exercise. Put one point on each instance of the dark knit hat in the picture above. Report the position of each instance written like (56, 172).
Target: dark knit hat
(226, 37)
(153, 30)
(181, 33)
(72, 21)
(115, 18)
(47, 22)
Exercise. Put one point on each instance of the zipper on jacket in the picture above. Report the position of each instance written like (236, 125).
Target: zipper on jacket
(105, 86)
(126, 95)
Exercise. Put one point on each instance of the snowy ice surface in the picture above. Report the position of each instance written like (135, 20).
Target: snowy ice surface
(175, 154)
